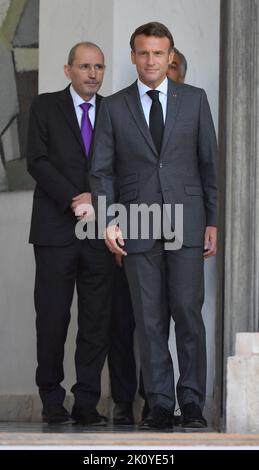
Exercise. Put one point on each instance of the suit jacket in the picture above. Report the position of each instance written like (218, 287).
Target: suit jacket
(183, 173)
(56, 159)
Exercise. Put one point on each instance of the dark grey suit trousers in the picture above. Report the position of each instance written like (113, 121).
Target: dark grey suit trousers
(157, 277)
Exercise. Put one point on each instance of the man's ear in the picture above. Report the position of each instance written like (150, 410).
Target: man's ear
(133, 58)
(67, 70)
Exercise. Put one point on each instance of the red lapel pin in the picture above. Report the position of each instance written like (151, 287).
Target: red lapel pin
(174, 95)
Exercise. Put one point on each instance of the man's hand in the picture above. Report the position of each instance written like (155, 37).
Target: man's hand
(83, 198)
(82, 207)
(210, 242)
(113, 240)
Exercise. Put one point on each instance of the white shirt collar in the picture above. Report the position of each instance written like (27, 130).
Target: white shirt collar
(77, 100)
(144, 88)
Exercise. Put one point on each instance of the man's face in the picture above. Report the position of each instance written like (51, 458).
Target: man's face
(174, 69)
(86, 72)
(151, 57)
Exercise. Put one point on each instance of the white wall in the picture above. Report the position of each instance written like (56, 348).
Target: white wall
(17, 318)
(63, 23)
(195, 28)
(109, 23)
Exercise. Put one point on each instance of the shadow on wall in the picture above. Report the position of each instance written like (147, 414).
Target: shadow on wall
(19, 39)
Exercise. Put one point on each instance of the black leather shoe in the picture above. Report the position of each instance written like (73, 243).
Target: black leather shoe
(123, 414)
(56, 414)
(192, 416)
(158, 418)
(89, 417)
(145, 410)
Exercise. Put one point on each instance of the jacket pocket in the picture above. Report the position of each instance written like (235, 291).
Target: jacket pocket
(128, 195)
(128, 188)
(128, 179)
(193, 190)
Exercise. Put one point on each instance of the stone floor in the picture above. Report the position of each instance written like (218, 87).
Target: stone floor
(38, 435)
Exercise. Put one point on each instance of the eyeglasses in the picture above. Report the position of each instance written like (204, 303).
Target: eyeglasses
(88, 67)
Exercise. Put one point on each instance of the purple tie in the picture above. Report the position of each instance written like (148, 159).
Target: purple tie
(86, 126)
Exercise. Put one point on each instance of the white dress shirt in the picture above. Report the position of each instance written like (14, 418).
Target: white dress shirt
(146, 101)
(77, 100)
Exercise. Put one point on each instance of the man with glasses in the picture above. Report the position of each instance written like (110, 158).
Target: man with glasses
(59, 159)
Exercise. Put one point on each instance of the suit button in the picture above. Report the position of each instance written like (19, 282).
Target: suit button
(160, 165)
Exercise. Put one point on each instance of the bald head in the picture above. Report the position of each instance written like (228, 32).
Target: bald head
(85, 44)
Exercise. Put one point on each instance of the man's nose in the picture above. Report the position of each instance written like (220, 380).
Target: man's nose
(92, 71)
(150, 59)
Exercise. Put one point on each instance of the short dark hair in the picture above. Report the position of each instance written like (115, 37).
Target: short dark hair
(183, 60)
(154, 28)
(72, 52)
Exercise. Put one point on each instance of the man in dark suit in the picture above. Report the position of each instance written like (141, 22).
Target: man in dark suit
(121, 357)
(59, 158)
(157, 139)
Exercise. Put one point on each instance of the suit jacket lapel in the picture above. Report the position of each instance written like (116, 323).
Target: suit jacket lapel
(174, 95)
(67, 107)
(97, 104)
(97, 107)
(135, 107)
